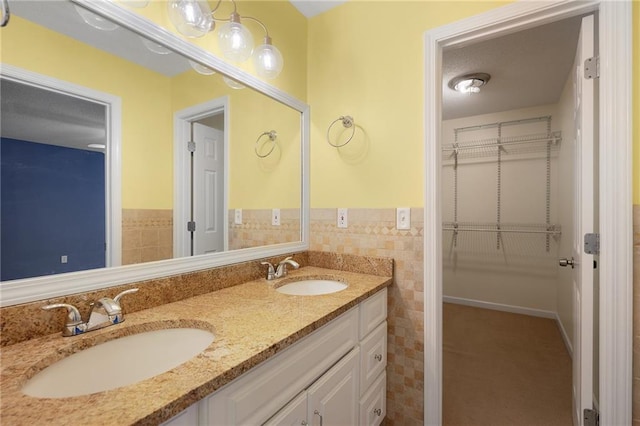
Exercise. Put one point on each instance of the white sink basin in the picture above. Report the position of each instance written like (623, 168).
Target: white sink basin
(118, 362)
(311, 287)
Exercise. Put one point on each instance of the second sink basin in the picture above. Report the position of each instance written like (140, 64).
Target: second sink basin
(311, 287)
(118, 362)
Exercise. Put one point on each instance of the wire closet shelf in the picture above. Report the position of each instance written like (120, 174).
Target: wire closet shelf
(498, 147)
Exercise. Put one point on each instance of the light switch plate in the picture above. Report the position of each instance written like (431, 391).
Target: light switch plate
(275, 217)
(237, 218)
(342, 218)
(403, 218)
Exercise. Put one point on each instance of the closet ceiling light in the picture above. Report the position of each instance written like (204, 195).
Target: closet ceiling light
(194, 18)
(469, 83)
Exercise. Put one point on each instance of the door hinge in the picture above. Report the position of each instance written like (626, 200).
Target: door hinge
(591, 417)
(191, 146)
(191, 226)
(592, 243)
(592, 67)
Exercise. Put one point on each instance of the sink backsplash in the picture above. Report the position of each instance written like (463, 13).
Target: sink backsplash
(27, 321)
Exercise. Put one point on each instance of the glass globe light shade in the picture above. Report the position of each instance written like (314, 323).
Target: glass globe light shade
(155, 47)
(235, 40)
(192, 18)
(201, 69)
(232, 83)
(96, 21)
(268, 60)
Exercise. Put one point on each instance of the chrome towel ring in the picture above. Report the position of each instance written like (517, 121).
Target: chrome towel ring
(4, 19)
(348, 123)
(272, 137)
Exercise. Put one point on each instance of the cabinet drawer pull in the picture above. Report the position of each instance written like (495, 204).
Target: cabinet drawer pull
(377, 412)
(378, 357)
(319, 415)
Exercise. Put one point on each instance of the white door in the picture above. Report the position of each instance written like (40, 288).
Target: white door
(583, 223)
(333, 399)
(208, 189)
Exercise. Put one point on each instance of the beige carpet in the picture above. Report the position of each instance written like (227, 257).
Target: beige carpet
(503, 369)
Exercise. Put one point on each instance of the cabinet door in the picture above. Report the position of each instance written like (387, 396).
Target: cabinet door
(333, 398)
(188, 417)
(293, 414)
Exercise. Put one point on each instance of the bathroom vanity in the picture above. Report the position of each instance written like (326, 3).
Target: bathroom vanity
(275, 357)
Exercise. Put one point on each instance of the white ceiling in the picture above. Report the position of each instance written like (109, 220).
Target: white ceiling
(311, 8)
(527, 68)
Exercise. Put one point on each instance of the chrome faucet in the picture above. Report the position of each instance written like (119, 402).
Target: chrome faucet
(104, 312)
(281, 270)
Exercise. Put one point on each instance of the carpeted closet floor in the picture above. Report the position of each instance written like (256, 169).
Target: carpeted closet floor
(501, 368)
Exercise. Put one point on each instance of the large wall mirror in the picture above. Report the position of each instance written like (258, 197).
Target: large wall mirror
(127, 157)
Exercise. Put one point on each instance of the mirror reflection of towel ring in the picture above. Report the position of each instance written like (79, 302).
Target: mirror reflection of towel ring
(272, 137)
(348, 123)
(6, 14)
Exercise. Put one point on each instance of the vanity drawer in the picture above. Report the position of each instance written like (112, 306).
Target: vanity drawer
(373, 356)
(373, 405)
(372, 312)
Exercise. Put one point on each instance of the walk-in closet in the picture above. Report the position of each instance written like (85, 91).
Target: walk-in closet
(507, 185)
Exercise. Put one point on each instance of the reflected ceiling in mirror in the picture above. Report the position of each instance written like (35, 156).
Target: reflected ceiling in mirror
(242, 199)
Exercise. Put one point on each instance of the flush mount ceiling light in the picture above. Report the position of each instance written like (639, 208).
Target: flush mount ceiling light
(194, 18)
(469, 83)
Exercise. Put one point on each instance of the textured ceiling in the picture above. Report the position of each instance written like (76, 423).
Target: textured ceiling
(527, 68)
(36, 115)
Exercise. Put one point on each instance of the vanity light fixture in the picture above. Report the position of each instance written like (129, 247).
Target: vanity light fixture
(156, 48)
(469, 83)
(194, 18)
(232, 83)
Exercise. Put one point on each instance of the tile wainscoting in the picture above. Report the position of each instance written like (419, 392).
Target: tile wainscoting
(147, 235)
(372, 232)
(256, 229)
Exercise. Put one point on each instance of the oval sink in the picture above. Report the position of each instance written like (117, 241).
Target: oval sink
(118, 362)
(311, 287)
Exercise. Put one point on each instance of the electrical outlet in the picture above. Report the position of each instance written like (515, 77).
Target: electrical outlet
(64, 259)
(275, 217)
(403, 218)
(237, 219)
(342, 218)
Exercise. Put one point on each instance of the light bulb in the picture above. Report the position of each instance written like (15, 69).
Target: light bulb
(191, 18)
(267, 60)
(235, 40)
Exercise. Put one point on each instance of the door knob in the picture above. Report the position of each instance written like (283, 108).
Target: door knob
(566, 262)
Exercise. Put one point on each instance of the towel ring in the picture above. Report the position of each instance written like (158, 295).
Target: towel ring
(6, 14)
(272, 137)
(347, 122)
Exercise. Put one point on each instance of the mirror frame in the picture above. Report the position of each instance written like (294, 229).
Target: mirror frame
(32, 289)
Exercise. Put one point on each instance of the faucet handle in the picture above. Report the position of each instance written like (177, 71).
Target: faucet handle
(119, 296)
(271, 272)
(73, 315)
(285, 260)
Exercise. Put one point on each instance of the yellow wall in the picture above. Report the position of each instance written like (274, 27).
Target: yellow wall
(379, 80)
(366, 60)
(146, 109)
(254, 183)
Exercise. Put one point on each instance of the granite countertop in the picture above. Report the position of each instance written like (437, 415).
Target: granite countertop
(250, 321)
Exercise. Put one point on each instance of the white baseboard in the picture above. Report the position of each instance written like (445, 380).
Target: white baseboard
(500, 307)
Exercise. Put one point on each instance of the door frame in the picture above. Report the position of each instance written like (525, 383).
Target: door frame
(113, 121)
(181, 165)
(614, 176)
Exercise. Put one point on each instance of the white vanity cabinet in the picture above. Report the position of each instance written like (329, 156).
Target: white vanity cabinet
(337, 372)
